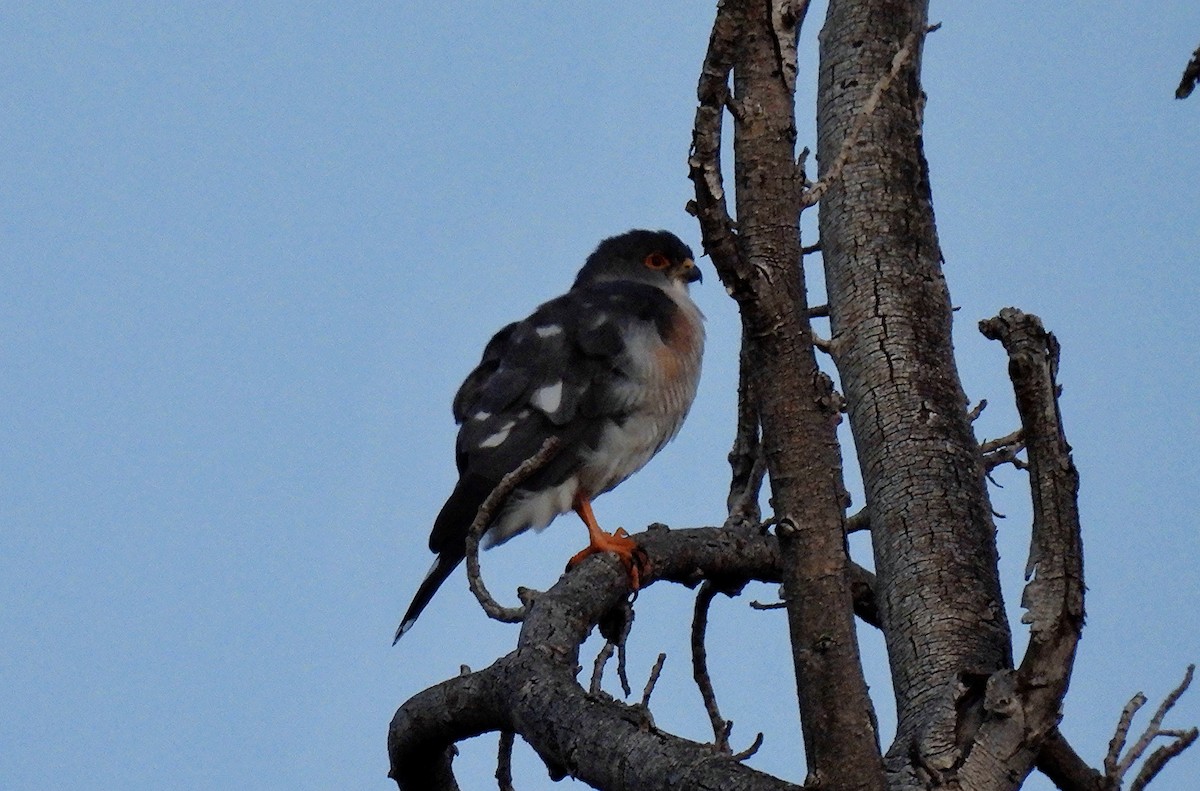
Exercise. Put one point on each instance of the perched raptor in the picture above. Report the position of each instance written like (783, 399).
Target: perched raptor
(608, 368)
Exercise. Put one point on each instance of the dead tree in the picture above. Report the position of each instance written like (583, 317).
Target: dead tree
(969, 716)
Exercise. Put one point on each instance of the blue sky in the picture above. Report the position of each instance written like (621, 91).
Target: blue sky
(250, 249)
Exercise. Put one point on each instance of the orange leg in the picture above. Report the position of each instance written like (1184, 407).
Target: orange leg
(631, 555)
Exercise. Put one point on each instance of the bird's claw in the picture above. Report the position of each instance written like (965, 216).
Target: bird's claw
(629, 552)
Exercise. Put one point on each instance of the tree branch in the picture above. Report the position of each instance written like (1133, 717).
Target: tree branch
(605, 743)
(533, 690)
(704, 161)
(484, 517)
(721, 726)
(1116, 745)
(796, 408)
(1158, 759)
(423, 732)
(504, 779)
(746, 459)
(1003, 450)
(1116, 766)
(1059, 762)
(615, 637)
(1191, 77)
(652, 681)
(1054, 597)
(1023, 706)
(977, 410)
(859, 521)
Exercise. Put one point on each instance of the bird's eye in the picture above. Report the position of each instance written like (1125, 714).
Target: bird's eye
(657, 261)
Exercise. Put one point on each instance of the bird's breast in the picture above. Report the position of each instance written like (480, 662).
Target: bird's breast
(664, 371)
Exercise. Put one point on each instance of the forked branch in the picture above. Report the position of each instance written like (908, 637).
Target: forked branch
(1059, 761)
(1116, 765)
(1003, 450)
(533, 691)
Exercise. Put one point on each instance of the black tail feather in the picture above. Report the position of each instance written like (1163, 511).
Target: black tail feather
(449, 540)
(442, 567)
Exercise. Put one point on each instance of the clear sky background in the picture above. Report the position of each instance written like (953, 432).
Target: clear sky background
(249, 249)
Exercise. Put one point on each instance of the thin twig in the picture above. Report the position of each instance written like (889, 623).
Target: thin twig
(1117, 744)
(858, 522)
(989, 445)
(811, 196)
(773, 605)
(483, 518)
(1003, 451)
(1152, 730)
(974, 414)
(504, 761)
(653, 680)
(1004, 456)
(1158, 759)
(720, 725)
(622, 672)
(598, 667)
(751, 750)
(612, 643)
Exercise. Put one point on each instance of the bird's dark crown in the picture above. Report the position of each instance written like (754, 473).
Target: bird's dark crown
(624, 256)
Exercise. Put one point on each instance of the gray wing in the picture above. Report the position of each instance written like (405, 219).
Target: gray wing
(560, 372)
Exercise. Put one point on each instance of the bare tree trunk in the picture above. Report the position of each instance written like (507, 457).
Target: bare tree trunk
(933, 537)
(798, 412)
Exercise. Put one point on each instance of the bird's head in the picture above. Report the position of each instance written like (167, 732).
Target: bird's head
(655, 257)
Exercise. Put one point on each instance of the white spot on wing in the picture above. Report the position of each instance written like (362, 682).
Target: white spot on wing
(481, 415)
(499, 436)
(548, 331)
(548, 398)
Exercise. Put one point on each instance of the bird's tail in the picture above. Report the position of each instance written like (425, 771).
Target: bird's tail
(446, 562)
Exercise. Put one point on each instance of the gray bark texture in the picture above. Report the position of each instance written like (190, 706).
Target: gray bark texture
(931, 526)
(970, 718)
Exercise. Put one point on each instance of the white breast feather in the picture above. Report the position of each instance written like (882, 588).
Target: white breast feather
(659, 404)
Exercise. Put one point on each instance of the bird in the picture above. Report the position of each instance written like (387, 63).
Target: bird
(608, 370)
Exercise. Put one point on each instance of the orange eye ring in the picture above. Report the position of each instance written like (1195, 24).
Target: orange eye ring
(657, 261)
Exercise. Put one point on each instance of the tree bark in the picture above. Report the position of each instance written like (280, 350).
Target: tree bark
(533, 691)
(795, 401)
(933, 537)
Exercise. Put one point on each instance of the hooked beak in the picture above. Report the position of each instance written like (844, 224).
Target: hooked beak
(691, 272)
